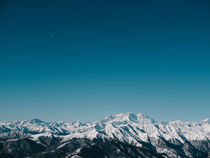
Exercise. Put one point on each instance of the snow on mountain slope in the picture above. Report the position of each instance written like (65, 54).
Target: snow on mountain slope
(135, 129)
(120, 125)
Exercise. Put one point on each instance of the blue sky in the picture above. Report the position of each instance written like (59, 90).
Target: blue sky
(84, 60)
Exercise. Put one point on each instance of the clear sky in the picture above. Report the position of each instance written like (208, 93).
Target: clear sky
(86, 59)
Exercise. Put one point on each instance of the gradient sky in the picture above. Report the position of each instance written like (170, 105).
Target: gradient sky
(83, 60)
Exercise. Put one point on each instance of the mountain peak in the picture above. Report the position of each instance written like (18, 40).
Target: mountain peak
(36, 120)
(207, 120)
(129, 117)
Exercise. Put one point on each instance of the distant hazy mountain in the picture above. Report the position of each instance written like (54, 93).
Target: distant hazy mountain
(121, 136)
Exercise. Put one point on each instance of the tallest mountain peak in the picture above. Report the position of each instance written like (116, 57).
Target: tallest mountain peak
(129, 117)
(36, 120)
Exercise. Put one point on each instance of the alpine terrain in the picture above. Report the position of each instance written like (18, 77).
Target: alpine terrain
(126, 135)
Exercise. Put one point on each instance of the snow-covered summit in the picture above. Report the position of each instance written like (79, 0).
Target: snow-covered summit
(129, 118)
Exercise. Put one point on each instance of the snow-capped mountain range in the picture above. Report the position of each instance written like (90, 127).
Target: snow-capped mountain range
(122, 135)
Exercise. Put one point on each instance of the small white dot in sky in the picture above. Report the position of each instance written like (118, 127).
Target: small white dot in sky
(51, 35)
